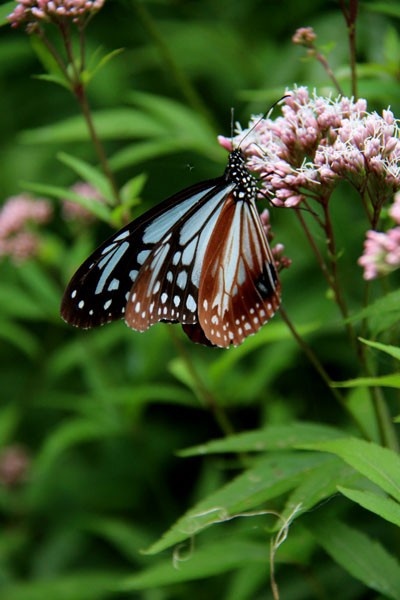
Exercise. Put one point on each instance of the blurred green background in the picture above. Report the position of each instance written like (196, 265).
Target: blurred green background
(97, 417)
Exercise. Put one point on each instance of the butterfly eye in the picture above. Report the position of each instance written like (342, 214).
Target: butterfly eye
(200, 258)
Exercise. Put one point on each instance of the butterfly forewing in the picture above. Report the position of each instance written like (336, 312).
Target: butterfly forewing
(167, 285)
(239, 290)
(99, 290)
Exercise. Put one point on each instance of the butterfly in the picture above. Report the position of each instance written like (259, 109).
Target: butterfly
(200, 258)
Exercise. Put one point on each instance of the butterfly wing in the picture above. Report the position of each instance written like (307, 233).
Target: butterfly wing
(167, 285)
(100, 289)
(239, 289)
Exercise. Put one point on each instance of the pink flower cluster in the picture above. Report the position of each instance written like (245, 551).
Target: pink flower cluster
(382, 249)
(318, 142)
(16, 239)
(32, 12)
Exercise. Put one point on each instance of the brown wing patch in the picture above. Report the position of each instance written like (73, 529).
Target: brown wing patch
(239, 289)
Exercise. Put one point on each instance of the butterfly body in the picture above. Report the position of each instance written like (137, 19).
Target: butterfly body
(200, 258)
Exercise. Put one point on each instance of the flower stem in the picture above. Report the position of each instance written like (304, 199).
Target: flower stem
(174, 71)
(79, 90)
(350, 15)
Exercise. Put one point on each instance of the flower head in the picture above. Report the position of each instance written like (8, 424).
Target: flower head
(304, 36)
(316, 143)
(17, 215)
(32, 12)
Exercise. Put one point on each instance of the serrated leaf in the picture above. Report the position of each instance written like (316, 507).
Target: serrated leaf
(273, 437)
(269, 478)
(380, 505)
(388, 349)
(90, 174)
(364, 558)
(379, 465)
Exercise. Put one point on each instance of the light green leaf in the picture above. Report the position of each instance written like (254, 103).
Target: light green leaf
(362, 557)
(273, 437)
(320, 483)
(269, 478)
(378, 504)
(90, 174)
(391, 350)
(386, 8)
(213, 559)
(380, 465)
(392, 380)
(95, 65)
(100, 210)
(384, 312)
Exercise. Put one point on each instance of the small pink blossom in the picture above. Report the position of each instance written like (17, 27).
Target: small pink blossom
(72, 211)
(281, 261)
(304, 36)
(14, 465)
(17, 215)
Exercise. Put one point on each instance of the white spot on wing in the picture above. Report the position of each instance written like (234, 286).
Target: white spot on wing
(191, 303)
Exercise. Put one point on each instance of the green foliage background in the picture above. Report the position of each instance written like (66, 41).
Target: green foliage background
(103, 414)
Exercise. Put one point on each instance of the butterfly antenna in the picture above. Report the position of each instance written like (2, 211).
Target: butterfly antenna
(264, 116)
(232, 122)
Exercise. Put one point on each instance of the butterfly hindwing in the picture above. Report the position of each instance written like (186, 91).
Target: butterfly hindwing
(239, 290)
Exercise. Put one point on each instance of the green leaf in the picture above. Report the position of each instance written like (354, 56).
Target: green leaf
(94, 65)
(273, 437)
(384, 312)
(90, 174)
(112, 124)
(391, 380)
(94, 206)
(213, 559)
(269, 478)
(15, 302)
(51, 66)
(380, 465)
(385, 8)
(10, 416)
(362, 557)
(69, 434)
(79, 586)
(20, 337)
(380, 505)
(320, 483)
(391, 350)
